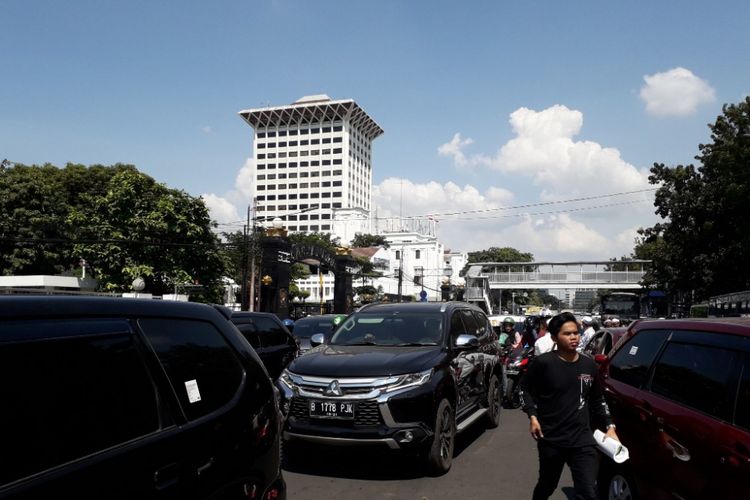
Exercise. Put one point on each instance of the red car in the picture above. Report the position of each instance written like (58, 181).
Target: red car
(679, 392)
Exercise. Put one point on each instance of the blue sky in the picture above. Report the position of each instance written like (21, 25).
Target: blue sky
(551, 100)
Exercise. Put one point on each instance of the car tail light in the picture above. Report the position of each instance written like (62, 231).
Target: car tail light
(524, 362)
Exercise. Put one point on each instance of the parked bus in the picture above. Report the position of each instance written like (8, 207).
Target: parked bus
(735, 304)
(625, 306)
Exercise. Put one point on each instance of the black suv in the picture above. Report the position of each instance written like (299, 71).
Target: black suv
(269, 337)
(408, 376)
(125, 398)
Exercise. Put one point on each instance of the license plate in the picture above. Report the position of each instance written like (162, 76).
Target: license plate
(331, 409)
(511, 372)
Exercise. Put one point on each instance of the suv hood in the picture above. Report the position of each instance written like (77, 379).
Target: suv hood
(366, 361)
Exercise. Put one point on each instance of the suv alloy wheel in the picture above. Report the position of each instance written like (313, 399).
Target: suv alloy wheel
(440, 453)
(494, 402)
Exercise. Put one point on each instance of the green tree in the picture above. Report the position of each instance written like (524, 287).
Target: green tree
(369, 240)
(35, 202)
(703, 243)
(142, 228)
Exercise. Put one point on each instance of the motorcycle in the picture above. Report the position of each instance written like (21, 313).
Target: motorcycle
(516, 363)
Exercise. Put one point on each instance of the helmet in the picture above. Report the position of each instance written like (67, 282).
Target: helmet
(587, 320)
(509, 321)
(288, 322)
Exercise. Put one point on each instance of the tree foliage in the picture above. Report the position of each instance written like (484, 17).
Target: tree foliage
(35, 203)
(142, 228)
(369, 240)
(702, 246)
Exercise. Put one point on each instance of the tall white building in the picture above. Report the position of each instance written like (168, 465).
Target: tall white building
(315, 152)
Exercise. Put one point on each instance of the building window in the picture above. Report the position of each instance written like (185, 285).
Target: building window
(292, 132)
(326, 227)
(261, 156)
(326, 195)
(292, 143)
(336, 183)
(398, 254)
(282, 133)
(271, 134)
(337, 128)
(326, 205)
(337, 205)
(326, 129)
(337, 161)
(304, 163)
(304, 131)
(304, 142)
(417, 254)
(336, 150)
(337, 194)
(314, 141)
(292, 228)
(261, 145)
(325, 216)
(261, 135)
(314, 130)
(314, 228)
(314, 163)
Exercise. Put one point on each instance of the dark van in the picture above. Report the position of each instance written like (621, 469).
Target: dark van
(269, 337)
(125, 398)
(679, 392)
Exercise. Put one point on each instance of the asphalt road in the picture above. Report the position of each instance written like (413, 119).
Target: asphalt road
(493, 464)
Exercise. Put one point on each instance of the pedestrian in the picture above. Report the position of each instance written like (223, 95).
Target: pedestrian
(544, 342)
(558, 392)
(588, 332)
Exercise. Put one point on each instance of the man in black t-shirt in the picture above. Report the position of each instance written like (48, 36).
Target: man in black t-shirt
(557, 393)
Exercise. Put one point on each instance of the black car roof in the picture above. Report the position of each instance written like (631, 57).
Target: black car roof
(42, 306)
(391, 307)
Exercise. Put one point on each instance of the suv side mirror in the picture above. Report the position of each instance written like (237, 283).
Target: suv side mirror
(466, 341)
(317, 339)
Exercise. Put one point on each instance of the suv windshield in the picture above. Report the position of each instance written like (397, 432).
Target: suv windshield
(306, 328)
(391, 329)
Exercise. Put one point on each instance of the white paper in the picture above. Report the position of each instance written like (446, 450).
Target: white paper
(611, 447)
(194, 395)
(633, 350)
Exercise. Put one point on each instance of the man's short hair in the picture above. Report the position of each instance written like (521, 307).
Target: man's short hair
(558, 321)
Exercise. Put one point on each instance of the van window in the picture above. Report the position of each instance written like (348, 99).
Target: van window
(202, 368)
(632, 361)
(701, 377)
(248, 331)
(65, 398)
(270, 332)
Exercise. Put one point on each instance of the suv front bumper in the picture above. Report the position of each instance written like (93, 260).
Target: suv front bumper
(373, 422)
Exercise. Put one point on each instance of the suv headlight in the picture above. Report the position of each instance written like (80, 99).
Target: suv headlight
(286, 379)
(410, 380)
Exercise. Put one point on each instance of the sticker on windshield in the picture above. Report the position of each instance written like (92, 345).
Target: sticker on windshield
(194, 395)
(633, 350)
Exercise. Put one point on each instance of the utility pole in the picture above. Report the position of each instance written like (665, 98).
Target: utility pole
(252, 255)
(400, 272)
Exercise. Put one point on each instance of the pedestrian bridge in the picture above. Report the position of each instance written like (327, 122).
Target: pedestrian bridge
(481, 277)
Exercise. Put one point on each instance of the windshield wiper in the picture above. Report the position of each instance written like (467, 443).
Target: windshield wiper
(407, 344)
(369, 342)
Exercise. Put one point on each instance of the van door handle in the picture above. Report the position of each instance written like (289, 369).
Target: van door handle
(678, 451)
(200, 470)
(166, 476)
(645, 410)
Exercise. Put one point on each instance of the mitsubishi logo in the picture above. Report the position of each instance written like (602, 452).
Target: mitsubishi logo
(333, 389)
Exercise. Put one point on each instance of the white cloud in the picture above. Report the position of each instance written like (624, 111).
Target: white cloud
(546, 150)
(224, 209)
(552, 236)
(453, 149)
(677, 92)
(207, 129)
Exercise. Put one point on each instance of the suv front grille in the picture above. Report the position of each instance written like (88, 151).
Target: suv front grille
(366, 414)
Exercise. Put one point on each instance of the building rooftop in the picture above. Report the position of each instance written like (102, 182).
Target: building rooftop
(313, 109)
